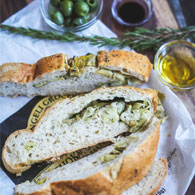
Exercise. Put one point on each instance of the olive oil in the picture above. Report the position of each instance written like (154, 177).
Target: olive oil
(178, 70)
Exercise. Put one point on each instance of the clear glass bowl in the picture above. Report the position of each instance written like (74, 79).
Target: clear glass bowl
(181, 73)
(45, 6)
(146, 4)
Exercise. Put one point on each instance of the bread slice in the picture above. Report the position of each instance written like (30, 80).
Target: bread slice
(58, 75)
(109, 171)
(151, 183)
(79, 122)
(14, 77)
(126, 62)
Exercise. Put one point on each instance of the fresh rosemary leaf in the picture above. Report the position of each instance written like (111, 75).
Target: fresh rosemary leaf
(141, 39)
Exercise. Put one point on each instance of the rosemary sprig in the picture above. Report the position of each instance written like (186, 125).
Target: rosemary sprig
(141, 39)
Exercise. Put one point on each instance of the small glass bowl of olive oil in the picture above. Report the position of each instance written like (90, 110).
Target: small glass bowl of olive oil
(174, 64)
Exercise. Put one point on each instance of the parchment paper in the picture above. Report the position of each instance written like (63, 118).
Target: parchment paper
(177, 140)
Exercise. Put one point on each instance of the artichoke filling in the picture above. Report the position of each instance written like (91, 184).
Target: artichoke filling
(132, 114)
(77, 67)
(122, 145)
(77, 64)
(160, 111)
(119, 147)
(117, 78)
(42, 83)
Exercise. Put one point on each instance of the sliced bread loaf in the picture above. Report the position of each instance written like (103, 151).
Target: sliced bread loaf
(151, 183)
(58, 75)
(109, 171)
(79, 122)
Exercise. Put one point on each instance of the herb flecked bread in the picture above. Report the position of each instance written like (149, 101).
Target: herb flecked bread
(79, 122)
(110, 171)
(59, 75)
(151, 183)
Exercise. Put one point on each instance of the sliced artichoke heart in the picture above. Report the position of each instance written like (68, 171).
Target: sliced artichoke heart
(132, 80)
(133, 114)
(120, 106)
(136, 115)
(104, 72)
(41, 180)
(107, 158)
(111, 112)
(118, 149)
(29, 145)
(77, 64)
(42, 83)
(118, 78)
(88, 112)
(160, 112)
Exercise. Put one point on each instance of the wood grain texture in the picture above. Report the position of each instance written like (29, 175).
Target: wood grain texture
(9, 7)
(165, 18)
(162, 17)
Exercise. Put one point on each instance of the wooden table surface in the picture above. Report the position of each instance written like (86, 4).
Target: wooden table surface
(162, 17)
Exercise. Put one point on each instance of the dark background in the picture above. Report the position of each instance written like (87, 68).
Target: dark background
(8, 7)
(188, 9)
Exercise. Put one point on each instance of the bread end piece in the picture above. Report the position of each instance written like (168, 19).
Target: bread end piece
(16, 72)
(161, 175)
(12, 168)
(152, 182)
(126, 62)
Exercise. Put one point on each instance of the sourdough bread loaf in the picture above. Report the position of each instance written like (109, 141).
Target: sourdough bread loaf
(58, 75)
(109, 171)
(79, 122)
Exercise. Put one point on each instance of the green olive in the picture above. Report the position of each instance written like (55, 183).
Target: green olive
(81, 8)
(92, 4)
(86, 17)
(67, 21)
(55, 2)
(78, 21)
(66, 7)
(57, 17)
(51, 10)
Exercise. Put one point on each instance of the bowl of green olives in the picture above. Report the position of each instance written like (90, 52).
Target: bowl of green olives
(71, 15)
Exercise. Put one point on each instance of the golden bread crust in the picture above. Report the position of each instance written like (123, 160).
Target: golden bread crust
(133, 168)
(50, 64)
(124, 61)
(16, 169)
(17, 72)
(46, 191)
(138, 163)
(148, 92)
(163, 174)
(32, 80)
(127, 62)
